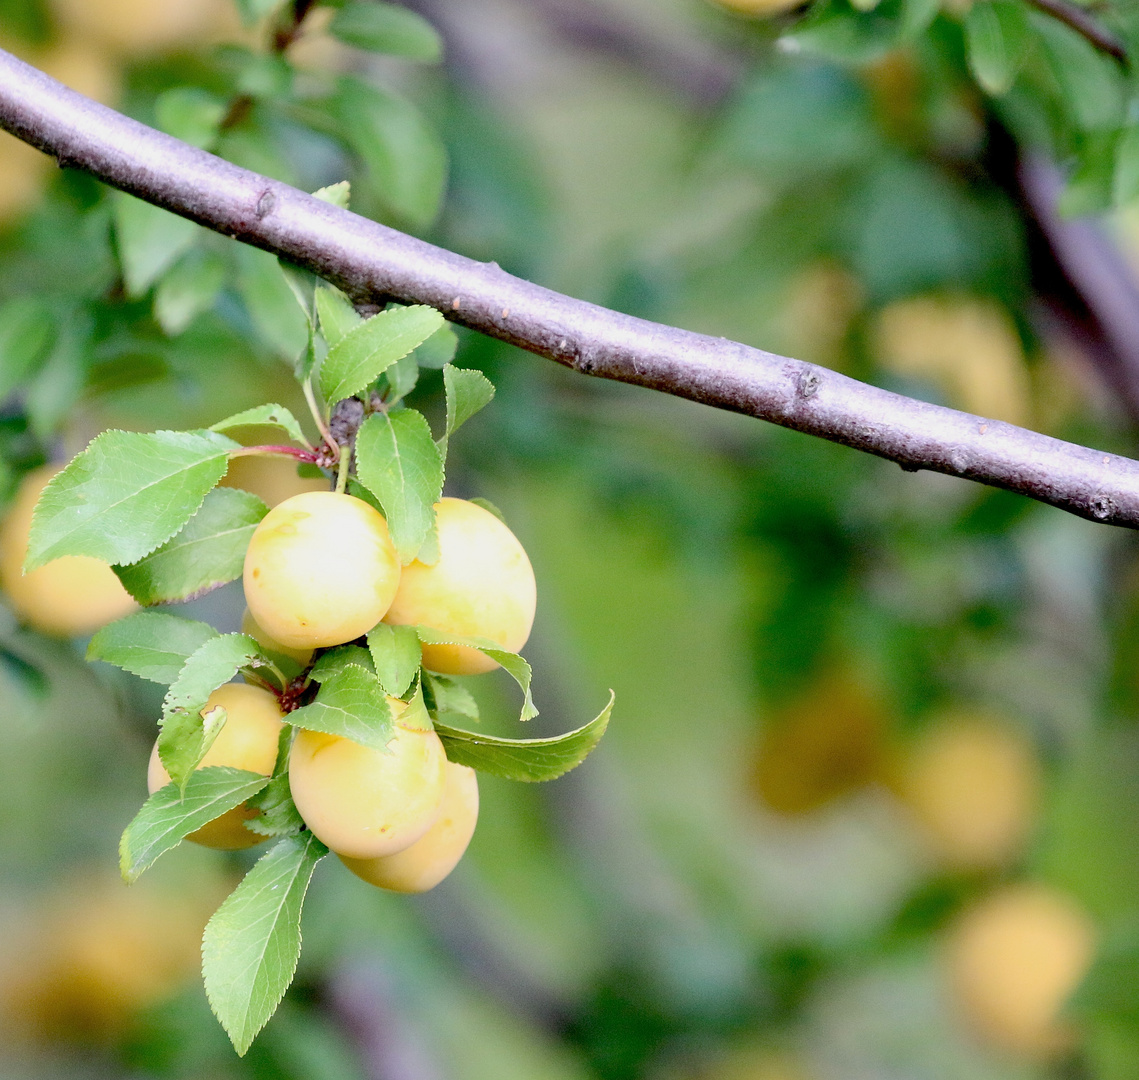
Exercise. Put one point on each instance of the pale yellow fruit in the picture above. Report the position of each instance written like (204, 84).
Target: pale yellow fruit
(96, 954)
(974, 786)
(84, 67)
(66, 597)
(250, 626)
(272, 478)
(482, 586)
(23, 172)
(967, 346)
(435, 854)
(137, 27)
(248, 740)
(320, 570)
(1014, 959)
(366, 803)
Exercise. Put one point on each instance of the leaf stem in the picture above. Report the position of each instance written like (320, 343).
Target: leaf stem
(342, 473)
(325, 434)
(309, 456)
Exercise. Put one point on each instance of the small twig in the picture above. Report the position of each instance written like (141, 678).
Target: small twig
(288, 32)
(1076, 17)
(318, 417)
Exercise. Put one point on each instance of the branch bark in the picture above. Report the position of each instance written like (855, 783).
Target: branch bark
(370, 261)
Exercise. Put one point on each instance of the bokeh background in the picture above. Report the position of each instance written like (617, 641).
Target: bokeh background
(869, 803)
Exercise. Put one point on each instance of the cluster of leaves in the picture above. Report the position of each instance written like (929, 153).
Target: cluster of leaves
(1057, 79)
(148, 504)
(135, 302)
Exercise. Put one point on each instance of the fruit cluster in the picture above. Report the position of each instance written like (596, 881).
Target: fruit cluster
(321, 571)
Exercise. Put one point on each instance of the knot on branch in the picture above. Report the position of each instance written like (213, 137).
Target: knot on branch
(345, 420)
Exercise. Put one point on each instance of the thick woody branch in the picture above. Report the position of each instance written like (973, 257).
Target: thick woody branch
(371, 261)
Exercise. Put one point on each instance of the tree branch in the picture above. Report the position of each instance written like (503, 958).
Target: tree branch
(369, 260)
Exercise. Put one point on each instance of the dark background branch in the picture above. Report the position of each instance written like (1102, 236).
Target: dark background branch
(367, 259)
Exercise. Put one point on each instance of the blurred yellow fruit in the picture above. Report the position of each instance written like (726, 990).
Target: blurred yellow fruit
(367, 803)
(435, 854)
(84, 67)
(825, 744)
(69, 596)
(760, 7)
(482, 586)
(23, 172)
(96, 955)
(137, 27)
(272, 478)
(1013, 960)
(966, 346)
(821, 301)
(974, 785)
(247, 741)
(320, 570)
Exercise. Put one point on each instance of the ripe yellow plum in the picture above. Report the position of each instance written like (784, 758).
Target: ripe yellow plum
(482, 586)
(67, 597)
(435, 854)
(250, 626)
(367, 803)
(1014, 958)
(271, 477)
(248, 740)
(320, 570)
(974, 786)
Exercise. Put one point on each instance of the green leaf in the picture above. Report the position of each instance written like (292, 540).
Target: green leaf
(352, 704)
(1108, 989)
(190, 114)
(338, 318)
(402, 377)
(50, 396)
(1125, 182)
(265, 416)
(335, 194)
(386, 28)
(1091, 85)
(397, 460)
(125, 494)
(467, 393)
(150, 241)
(168, 816)
(525, 759)
(27, 330)
(365, 353)
(489, 507)
(331, 662)
(396, 656)
(270, 302)
(208, 552)
(996, 33)
(151, 645)
(278, 814)
(404, 156)
(438, 350)
(446, 695)
(251, 945)
(252, 10)
(186, 733)
(512, 663)
(190, 287)
(916, 17)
